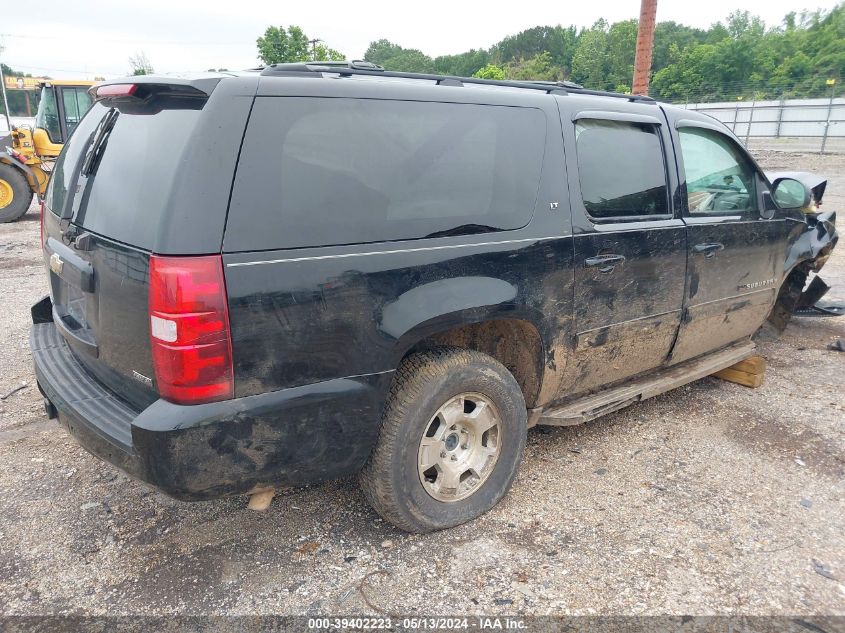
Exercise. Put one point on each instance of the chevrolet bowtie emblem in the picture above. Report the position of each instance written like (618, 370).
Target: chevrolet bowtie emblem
(56, 263)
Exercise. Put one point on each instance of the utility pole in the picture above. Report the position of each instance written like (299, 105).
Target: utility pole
(3, 90)
(314, 43)
(645, 46)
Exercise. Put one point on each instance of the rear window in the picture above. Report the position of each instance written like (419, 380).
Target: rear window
(60, 180)
(324, 171)
(128, 193)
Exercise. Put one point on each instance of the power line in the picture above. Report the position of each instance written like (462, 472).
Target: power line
(127, 40)
(26, 67)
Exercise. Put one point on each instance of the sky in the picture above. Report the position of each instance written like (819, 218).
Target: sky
(88, 38)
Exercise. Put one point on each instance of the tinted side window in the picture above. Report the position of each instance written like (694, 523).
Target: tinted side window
(718, 175)
(621, 169)
(323, 171)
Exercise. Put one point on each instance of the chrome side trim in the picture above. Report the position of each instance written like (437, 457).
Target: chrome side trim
(391, 252)
(768, 289)
(629, 321)
(374, 373)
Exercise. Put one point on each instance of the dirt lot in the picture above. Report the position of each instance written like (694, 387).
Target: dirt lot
(710, 499)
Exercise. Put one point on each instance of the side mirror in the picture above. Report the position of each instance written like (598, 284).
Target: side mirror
(789, 193)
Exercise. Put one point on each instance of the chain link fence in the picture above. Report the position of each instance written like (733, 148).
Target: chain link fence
(809, 125)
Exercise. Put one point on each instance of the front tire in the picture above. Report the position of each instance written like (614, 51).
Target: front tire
(15, 194)
(452, 438)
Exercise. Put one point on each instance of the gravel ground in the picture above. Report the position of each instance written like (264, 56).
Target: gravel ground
(712, 499)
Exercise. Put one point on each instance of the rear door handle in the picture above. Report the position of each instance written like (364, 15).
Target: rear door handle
(709, 248)
(606, 263)
(69, 266)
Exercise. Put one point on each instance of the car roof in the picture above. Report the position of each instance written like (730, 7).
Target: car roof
(68, 82)
(363, 69)
(278, 79)
(366, 80)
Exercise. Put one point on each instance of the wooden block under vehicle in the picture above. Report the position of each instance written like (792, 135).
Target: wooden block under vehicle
(749, 372)
(753, 365)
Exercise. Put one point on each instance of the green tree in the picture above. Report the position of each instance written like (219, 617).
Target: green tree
(322, 53)
(559, 42)
(140, 65)
(736, 57)
(692, 77)
(411, 60)
(380, 51)
(589, 63)
(279, 45)
(828, 45)
(668, 34)
(619, 60)
(393, 57)
(462, 65)
(490, 71)
(604, 57)
(538, 68)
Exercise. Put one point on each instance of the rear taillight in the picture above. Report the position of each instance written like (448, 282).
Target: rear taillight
(189, 329)
(42, 225)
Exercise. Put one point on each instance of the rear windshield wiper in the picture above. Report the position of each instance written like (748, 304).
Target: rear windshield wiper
(465, 229)
(88, 164)
(101, 136)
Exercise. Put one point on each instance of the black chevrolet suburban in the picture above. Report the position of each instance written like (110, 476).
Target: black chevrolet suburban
(279, 277)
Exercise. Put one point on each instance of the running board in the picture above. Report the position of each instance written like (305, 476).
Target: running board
(595, 405)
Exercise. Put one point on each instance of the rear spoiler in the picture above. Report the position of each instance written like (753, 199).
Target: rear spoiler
(161, 83)
(150, 95)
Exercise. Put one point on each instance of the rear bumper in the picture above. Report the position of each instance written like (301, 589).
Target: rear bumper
(294, 436)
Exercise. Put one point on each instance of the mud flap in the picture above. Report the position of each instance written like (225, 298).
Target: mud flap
(42, 312)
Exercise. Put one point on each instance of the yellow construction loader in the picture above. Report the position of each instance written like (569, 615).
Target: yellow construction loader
(27, 155)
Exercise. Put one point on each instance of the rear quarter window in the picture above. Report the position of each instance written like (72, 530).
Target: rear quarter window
(328, 171)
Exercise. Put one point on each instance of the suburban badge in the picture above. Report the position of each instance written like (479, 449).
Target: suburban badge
(757, 284)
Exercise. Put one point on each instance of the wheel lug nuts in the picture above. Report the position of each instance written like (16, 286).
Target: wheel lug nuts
(454, 458)
(464, 431)
(442, 453)
(465, 446)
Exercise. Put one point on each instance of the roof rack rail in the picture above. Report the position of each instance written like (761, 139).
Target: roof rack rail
(359, 67)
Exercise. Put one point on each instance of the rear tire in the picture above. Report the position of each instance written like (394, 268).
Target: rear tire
(452, 438)
(15, 194)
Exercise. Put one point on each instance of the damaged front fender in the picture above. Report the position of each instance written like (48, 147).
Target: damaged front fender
(807, 253)
(814, 244)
